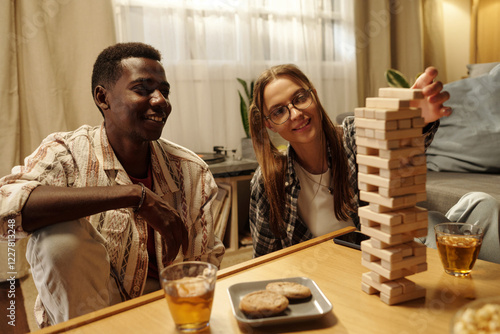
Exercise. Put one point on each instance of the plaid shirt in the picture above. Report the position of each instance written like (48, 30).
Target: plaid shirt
(264, 241)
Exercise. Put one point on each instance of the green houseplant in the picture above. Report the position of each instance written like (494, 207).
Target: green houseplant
(245, 102)
(396, 79)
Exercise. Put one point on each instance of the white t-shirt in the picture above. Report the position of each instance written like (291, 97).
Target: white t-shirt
(315, 203)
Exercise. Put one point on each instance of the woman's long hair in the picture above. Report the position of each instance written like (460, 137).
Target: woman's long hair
(273, 163)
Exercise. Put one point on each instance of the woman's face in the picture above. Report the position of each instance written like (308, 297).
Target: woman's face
(304, 126)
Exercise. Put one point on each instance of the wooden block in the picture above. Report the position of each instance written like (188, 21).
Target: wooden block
(417, 248)
(401, 152)
(372, 161)
(404, 228)
(369, 257)
(388, 219)
(367, 187)
(406, 249)
(380, 208)
(419, 233)
(375, 143)
(367, 169)
(418, 160)
(386, 102)
(419, 292)
(390, 288)
(406, 262)
(421, 197)
(401, 93)
(407, 181)
(418, 179)
(406, 171)
(379, 244)
(390, 254)
(398, 202)
(364, 112)
(394, 239)
(418, 141)
(417, 269)
(390, 275)
(404, 124)
(418, 122)
(368, 222)
(378, 180)
(421, 213)
(395, 114)
(370, 123)
(368, 289)
(400, 191)
(369, 133)
(378, 278)
(359, 112)
(367, 150)
(413, 214)
(408, 215)
(406, 284)
(397, 134)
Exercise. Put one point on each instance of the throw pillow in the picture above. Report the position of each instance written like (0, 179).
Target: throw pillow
(476, 70)
(469, 139)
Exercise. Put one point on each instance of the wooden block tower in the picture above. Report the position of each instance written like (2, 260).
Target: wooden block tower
(392, 175)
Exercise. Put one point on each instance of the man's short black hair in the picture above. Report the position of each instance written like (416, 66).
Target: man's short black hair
(107, 67)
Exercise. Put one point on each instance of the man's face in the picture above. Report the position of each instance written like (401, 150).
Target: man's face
(138, 103)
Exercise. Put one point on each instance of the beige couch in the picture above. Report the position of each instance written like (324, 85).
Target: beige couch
(444, 189)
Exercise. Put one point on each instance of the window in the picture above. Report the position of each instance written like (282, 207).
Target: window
(207, 44)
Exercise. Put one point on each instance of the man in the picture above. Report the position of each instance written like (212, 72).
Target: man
(108, 207)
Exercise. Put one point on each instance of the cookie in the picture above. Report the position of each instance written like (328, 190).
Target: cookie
(263, 303)
(290, 290)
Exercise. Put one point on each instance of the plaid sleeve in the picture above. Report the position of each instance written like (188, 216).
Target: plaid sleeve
(349, 131)
(263, 239)
(429, 131)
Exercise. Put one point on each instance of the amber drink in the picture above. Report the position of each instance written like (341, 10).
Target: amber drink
(189, 290)
(458, 245)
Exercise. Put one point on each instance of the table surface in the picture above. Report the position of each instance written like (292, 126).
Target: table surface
(337, 271)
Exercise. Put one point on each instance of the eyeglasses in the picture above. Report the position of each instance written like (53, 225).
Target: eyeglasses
(280, 115)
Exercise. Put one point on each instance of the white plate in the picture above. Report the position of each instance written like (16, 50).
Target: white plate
(316, 306)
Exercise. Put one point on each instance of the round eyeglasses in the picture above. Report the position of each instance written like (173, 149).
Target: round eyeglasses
(280, 115)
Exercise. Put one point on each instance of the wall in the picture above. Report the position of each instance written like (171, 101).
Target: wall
(457, 37)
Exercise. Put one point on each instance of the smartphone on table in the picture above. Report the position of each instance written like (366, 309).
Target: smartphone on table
(352, 239)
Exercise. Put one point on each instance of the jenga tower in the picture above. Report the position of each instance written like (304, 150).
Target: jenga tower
(391, 176)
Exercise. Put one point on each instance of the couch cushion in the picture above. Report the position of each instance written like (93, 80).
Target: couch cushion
(445, 189)
(476, 70)
(469, 140)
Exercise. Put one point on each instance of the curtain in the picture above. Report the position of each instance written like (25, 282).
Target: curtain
(433, 36)
(405, 35)
(388, 35)
(206, 45)
(46, 63)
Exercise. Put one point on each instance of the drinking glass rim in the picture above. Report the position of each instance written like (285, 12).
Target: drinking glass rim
(480, 230)
(208, 264)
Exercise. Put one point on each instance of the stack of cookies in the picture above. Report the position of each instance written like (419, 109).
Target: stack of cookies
(273, 300)
(392, 176)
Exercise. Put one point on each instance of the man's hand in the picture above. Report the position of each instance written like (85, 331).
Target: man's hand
(164, 219)
(434, 96)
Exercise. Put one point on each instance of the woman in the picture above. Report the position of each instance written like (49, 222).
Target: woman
(312, 189)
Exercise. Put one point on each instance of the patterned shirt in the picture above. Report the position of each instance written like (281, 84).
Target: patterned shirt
(264, 241)
(84, 158)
